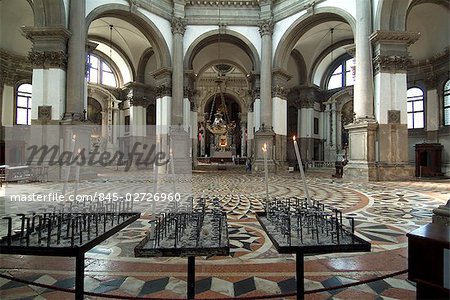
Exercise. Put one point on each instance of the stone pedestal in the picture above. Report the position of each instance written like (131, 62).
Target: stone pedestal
(264, 136)
(361, 164)
(393, 154)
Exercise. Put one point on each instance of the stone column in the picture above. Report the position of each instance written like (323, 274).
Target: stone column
(265, 134)
(362, 132)
(363, 101)
(49, 60)
(178, 29)
(266, 31)
(76, 67)
(390, 64)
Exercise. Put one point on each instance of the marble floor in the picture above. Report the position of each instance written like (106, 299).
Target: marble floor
(384, 213)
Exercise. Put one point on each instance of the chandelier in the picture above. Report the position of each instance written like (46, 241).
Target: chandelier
(222, 124)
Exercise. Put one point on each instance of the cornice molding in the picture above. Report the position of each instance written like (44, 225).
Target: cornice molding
(33, 33)
(401, 37)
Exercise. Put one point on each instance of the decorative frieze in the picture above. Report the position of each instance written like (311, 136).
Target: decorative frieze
(178, 25)
(163, 91)
(48, 59)
(237, 3)
(279, 91)
(138, 101)
(266, 27)
(391, 63)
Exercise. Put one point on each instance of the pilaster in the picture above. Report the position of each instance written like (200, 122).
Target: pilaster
(48, 59)
(390, 62)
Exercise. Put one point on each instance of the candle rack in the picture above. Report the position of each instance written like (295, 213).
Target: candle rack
(302, 227)
(66, 231)
(199, 230)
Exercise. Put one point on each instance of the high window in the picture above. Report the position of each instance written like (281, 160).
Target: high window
(342, 75)
(23, 104)
(447, 103)
(415, 108)
(100, 71)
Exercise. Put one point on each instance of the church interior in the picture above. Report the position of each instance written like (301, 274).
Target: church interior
(226, 149)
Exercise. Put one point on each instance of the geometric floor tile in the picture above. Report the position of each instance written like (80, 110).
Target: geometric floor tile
(244, 286)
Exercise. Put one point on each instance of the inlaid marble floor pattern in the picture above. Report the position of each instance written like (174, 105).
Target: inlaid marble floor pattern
(384, 213)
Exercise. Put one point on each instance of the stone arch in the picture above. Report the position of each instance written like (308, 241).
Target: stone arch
(392, 14)
(140, 21)
(233, 94)
(301, 66)
(302, 25)
(140, 74)
(49, 13)
(231, 37)
(100, 94)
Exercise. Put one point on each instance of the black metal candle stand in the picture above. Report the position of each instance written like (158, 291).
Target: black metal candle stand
(63, 234)
(201, 231)
(301, 227)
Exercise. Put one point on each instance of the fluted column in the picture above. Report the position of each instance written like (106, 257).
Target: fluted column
(363, 100)
(266, 31)
(75, 101)
(178, 29)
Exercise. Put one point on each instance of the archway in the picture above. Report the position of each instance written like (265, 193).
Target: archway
(227, 108)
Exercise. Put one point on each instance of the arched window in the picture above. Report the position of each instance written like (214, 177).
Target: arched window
(100, 71)
(415, 108)
(23, 104)
(447, 103)
(342, 75)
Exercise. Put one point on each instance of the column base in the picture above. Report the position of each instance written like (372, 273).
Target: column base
(360, 171)
(364, 171)
(395, 172)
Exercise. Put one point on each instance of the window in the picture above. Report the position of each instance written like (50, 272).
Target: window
(342, 75)
(23, 104)
(447, 103)
(415, 108)
(100, 71)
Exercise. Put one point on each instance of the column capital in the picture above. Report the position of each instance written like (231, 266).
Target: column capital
(385, 63)
(178, 25)
(279, 91)
(48, 59)
(266, 27)
(163, 91)
(139, 101)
